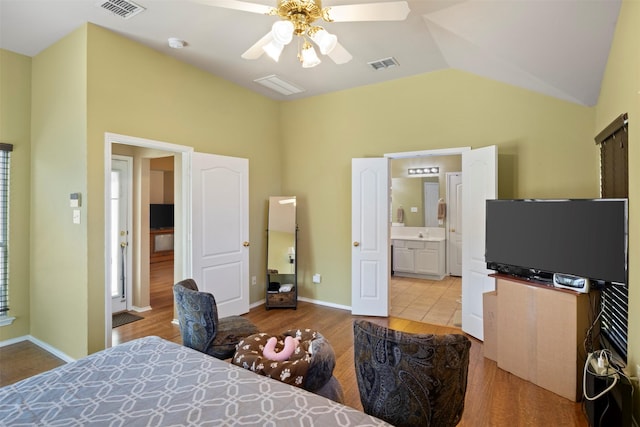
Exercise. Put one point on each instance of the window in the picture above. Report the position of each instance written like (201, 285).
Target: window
(5, 155)
(614, 183)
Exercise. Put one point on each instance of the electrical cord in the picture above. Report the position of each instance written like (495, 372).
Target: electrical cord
(603, 360)
(587, 344)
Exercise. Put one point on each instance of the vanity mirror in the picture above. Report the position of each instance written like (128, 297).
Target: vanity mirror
(414, 198)
(282, 289)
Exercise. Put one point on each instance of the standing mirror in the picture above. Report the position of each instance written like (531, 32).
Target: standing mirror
(282, 289)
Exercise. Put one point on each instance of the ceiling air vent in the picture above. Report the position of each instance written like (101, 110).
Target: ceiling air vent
(123, 8)
(383, 64)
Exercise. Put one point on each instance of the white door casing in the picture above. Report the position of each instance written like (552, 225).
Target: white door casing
(370, 250)
(121, 220)
(220, 230)
(480, 183)
(454, 223)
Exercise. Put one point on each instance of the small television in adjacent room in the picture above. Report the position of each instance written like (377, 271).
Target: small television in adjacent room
(160, 216)
(537, 238)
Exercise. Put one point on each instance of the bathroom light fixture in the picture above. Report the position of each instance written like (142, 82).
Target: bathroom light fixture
(424, 171)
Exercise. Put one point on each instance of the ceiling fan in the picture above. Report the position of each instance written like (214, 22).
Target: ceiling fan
(297, 17)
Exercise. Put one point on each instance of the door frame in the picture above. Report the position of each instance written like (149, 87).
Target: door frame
(391, 156)
(182, 251)
(449, 246)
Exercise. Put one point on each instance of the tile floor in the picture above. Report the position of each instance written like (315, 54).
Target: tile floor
(430, 301)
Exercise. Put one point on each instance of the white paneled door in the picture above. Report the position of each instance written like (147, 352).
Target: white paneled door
(121, 217)
(480, 183)
(220, 230)
(370, 247)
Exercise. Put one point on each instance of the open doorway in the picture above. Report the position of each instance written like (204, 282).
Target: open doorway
(424, 200)
(161, 230)
(144, 189)
(479, 180)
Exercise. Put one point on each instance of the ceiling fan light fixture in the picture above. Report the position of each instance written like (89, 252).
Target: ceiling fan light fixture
(282, 32)
(308, 56)
(273, 49)
(325, 40)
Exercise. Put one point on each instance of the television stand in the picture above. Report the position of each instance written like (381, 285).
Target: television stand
(539, 332)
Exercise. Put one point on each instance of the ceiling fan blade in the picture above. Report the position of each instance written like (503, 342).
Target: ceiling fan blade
(340, 55)
(255, 51)
(238, 5)
(389, 11)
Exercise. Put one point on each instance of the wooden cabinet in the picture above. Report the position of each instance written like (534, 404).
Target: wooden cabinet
(276, 298)
(161, 245)
(419, 258)
(540, 332)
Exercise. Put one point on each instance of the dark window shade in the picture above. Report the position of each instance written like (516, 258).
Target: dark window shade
(614, 167)
(614, 319)
(5, 157)
(614, 154)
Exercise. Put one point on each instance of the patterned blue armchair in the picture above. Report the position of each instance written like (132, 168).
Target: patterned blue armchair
(411, 379)
(199, 324)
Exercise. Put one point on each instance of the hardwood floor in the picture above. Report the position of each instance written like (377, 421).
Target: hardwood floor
(494, 397)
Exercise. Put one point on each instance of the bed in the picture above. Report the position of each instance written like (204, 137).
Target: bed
(154, 382)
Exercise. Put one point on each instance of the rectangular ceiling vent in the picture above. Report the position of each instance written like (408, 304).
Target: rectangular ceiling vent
(123, 8)
(383, 64)
(274, 82)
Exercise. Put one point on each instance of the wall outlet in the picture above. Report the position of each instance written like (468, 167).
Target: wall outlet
(317, 278)
(253, 280)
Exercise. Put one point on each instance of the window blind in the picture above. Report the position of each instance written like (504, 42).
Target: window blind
(614, 179)
(5, 157)
(614, 320)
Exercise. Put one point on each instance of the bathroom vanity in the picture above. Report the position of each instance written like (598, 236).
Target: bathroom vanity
(419, 254)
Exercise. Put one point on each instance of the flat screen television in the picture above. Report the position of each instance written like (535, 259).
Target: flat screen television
(160, 216)
(580, 237)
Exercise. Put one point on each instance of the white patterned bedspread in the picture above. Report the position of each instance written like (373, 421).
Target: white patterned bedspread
(154, 382)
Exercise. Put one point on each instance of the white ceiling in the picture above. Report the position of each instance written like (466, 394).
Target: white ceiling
(555, 47)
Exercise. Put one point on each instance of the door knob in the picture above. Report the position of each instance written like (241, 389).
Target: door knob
(245, 244)
(356, 244)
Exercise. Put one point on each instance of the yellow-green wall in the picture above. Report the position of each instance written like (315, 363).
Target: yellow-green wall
(59, 284)
(536, 135)
(620, 93)
(133, 90)
(15, 128)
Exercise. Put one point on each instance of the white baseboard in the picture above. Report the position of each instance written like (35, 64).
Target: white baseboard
(13, 341)
(43, 345)
(312, 301)
(324, 303)
(258, 303)
(51, 349)
(140, 309)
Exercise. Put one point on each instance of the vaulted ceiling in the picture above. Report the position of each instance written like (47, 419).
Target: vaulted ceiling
(555, 47)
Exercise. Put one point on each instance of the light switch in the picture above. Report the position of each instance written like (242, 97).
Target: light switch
(76, 216)
(414, 209)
